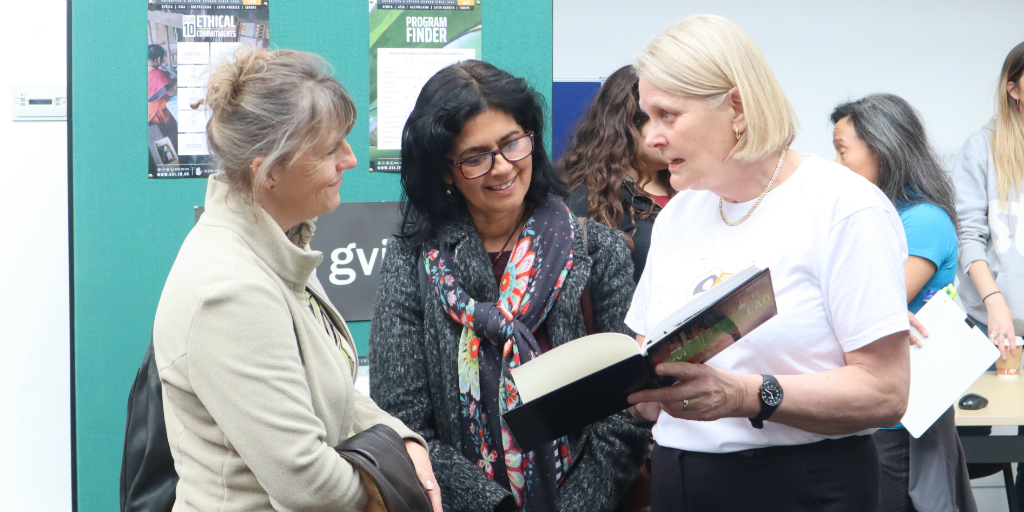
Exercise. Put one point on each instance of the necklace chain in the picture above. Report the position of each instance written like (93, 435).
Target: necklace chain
(494, 262)
(775, 176)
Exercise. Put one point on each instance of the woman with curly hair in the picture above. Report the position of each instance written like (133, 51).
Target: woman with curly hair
(615, 179)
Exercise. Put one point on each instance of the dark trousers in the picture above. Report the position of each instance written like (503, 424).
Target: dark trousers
(894, 463)
(829, 476)
(923, 474)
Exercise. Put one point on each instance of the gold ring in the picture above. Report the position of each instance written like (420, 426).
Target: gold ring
(686, 402)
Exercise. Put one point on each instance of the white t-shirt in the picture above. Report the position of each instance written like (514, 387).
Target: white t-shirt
(835, 247)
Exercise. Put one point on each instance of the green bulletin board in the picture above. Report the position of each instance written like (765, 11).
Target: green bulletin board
(407, 46)
(126, 229)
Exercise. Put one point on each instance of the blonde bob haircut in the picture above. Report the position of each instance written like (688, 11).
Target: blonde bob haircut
(705, 56)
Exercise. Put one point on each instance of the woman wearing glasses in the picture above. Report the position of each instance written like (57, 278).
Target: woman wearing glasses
(486, 273)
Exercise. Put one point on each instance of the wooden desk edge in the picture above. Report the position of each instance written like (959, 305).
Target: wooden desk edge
(987, 421)
(999, 412)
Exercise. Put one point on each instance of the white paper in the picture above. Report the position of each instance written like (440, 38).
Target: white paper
(186, 95)
(193, 121)
(401, 73)
(570, 362)
(363, 380)
(222, 51)
(950, 361)
(192, 76)
(193, 53)
(192, 144)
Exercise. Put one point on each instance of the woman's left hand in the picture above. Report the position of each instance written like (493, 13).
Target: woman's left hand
(703, 393)
(421, 460)
(916, 324)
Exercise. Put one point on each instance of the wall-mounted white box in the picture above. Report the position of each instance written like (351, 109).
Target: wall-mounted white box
(39, 103)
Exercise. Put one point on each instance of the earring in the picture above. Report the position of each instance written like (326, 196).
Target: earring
(272, 187)
(738, 134)
(449, 191)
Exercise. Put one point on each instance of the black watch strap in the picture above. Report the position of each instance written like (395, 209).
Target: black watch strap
(770, 396)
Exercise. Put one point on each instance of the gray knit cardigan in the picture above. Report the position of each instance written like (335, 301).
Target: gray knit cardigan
(414, 375)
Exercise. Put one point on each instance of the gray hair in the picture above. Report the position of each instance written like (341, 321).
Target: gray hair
(908, 171)
(273, 104)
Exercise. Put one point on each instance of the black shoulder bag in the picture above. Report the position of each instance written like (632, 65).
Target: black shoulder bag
(148, 478)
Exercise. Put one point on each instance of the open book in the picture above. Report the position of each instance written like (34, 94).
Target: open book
(588, 379)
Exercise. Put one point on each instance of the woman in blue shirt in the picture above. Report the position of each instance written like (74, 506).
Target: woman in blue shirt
(881, 138)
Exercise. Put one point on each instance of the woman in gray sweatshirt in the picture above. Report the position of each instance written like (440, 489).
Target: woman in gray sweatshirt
(987, 177)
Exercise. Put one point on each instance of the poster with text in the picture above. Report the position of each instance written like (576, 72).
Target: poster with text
(410, 40)
(186, 38)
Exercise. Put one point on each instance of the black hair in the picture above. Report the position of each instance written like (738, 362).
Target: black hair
(156, 51)
(908, 171)
(449, 100)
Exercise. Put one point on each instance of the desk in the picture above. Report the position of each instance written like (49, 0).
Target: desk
(1005, 407)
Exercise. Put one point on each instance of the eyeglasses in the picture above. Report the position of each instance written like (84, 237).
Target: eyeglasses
(480, 164)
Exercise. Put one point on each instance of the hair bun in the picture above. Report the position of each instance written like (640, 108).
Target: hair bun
(227, 77)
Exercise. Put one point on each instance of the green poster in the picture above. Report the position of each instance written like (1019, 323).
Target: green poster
(410, 40)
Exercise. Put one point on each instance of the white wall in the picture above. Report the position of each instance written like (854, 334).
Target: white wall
(943, 56)
(35, 384)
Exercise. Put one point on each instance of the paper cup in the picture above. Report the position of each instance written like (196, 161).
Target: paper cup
(1010, 367)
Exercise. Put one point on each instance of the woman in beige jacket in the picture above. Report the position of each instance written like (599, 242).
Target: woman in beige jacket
(256, 364)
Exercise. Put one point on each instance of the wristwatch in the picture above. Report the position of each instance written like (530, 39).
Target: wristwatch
(770, 394)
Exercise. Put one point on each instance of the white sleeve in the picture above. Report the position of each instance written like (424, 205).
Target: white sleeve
(861, 277)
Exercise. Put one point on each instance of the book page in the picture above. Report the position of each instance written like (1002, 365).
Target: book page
(572, 361)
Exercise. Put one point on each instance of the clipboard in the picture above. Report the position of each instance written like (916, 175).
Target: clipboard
(951, 359)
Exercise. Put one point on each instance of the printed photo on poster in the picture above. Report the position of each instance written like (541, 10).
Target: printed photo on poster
(185, 39)
(410, 40)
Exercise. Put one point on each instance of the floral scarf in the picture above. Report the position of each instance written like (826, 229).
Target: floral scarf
(531, 283)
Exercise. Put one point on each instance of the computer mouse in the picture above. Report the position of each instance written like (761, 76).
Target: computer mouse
(973, 402)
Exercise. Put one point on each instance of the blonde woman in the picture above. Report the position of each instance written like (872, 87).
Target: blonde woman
(782, 419)
(256, 364)
(987, 176)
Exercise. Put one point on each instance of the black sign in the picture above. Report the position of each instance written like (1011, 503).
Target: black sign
(354, 240)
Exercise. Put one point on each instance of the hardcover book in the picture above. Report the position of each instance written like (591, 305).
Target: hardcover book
(589, 379)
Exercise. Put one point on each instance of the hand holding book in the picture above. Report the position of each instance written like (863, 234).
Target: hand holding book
(702, 393)
(588, 379)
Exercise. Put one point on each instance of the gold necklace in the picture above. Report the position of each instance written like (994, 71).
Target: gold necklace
(759, 198)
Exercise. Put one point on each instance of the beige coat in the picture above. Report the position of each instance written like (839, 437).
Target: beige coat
(255, 392)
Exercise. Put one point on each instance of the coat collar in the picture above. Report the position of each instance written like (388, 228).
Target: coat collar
(472, 264)
(288, 255)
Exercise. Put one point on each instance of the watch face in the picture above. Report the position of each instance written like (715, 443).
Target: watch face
(771, 393)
